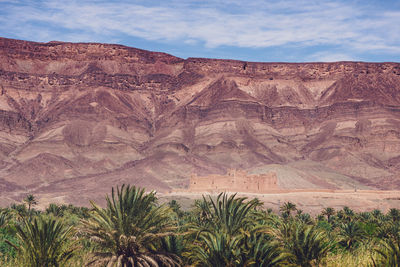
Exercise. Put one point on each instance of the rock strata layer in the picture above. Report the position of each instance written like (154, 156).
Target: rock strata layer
(78, 118)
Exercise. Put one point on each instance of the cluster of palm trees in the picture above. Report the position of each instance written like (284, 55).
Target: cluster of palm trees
(133, 229)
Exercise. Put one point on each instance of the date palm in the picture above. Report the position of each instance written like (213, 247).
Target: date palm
(4, 218)
(288, 207)
(389, 253)
(328, 212)
(229, 214)
(128, 231)
(280, 230)
(394, 214)
(43, 241)
(389, 230)
(304, 218)
(216, 250)
(346, 214)
(377, 214)
(173, 245)
(222, 249)
(350, 234)
(55, 209)
(221, 232)
(309, 245)
(264, 252)
(31, 201)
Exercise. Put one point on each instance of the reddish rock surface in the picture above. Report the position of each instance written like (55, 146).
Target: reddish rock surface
(76, 119)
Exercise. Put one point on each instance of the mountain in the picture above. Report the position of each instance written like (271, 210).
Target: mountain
(78, 118)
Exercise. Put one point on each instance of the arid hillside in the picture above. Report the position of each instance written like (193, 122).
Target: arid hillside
(77, 118)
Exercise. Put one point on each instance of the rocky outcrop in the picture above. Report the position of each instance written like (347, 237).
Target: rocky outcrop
(82, 117)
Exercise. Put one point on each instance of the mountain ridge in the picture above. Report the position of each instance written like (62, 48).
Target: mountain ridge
(80, 117)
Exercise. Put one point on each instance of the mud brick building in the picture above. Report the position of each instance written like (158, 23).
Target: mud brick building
(235, 181)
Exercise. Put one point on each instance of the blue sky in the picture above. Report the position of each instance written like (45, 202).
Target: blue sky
(289, 31)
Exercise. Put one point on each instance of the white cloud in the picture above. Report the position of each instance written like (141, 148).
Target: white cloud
(252, 24)
(331, 57)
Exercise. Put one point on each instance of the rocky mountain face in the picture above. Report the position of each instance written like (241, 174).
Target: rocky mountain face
(76, 119)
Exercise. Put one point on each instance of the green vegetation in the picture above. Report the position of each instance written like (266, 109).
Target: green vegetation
(129, 230)
(43, 241)
(226, 230)
(31, 201)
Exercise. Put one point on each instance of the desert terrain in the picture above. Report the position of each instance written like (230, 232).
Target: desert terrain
(79, 118)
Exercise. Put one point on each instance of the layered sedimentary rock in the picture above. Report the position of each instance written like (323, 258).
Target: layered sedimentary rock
(76, 119)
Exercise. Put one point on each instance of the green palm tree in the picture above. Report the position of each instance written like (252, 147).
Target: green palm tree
(263, 252)
(304, 218)
(31, 201)
(221, 230)
(201, 212)
(328, 212)
(377, 213)
(350, 234)
(173, 245)
(280, 230)
(223, 249)
(128, 231)
(348, 214)
(176, 207)
(19, 209)
(389, 230)
(365, 216)
(389, 253)
(229, 214)
(4, 218)
(216, 249)
(288, 207)
(55, 209)
(394, 214)
(309, 245)
(43, 241)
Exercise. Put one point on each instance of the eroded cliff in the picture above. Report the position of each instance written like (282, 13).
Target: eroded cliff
(76, 119)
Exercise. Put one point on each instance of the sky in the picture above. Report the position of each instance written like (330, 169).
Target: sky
(250, 30)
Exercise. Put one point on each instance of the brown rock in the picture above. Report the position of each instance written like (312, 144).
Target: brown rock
(79, 118)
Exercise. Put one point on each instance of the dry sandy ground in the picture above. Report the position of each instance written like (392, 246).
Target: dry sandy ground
(309, 201)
